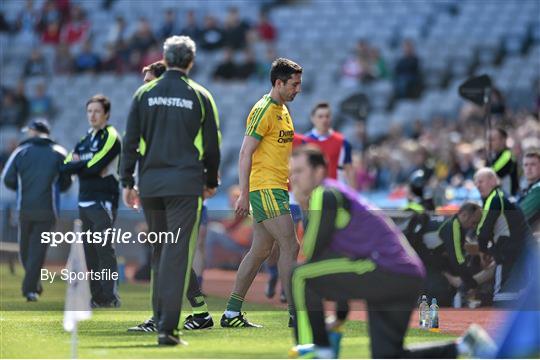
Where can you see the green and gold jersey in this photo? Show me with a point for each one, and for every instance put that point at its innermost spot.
(270, 123)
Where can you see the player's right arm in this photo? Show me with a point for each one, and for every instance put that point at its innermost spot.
(257, 127)
(249, 145)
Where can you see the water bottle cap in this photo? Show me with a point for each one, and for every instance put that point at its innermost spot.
(434, 301)
(424, 297)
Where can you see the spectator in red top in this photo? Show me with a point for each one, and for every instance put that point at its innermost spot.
(332, 143)
(265, 29)
(298, 140)
(76, 31)
(51, 34)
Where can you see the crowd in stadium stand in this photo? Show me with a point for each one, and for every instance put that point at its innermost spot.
(65, 26)
(452, 148)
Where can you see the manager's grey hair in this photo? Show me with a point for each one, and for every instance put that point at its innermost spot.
(488, 173)
(179, 51)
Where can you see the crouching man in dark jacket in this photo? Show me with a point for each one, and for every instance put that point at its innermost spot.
(354, 252)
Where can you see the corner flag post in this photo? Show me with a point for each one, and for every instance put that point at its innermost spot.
(77, 303)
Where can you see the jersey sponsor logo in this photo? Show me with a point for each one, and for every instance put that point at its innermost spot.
(285, 136)
(170, 101)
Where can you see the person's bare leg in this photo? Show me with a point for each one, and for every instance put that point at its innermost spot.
(282, 230)
(274, 256)
(272, 270)
(251, 263)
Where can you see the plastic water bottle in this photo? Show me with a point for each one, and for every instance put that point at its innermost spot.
(434, 316)
(423, 310)
(458, 300)
(334, 336)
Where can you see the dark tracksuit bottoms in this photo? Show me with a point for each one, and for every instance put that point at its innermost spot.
(330, 277)
(32, 251)
(97, 218)
(172, 273)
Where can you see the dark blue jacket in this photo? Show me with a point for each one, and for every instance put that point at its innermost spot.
(33, 170)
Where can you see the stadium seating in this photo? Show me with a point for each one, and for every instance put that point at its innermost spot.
(454, 39)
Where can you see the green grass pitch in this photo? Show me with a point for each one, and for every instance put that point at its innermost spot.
(34, 330)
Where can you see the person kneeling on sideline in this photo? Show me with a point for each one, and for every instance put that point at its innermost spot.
(356, 253)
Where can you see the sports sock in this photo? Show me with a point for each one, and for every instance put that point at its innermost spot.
(234, 304)
(231, 314)
(198, 306)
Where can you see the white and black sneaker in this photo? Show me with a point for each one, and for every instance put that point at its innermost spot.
(198, 322)
(147, 326)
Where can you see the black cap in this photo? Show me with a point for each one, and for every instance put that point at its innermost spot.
(40, 125)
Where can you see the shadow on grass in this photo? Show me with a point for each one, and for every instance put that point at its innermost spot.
(115, 333)
(132, 346)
